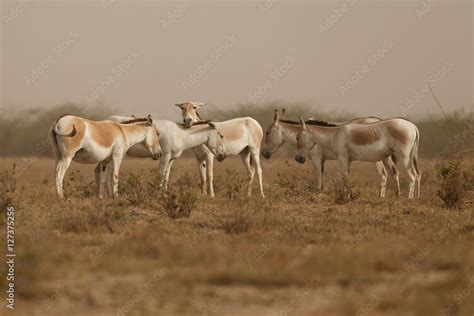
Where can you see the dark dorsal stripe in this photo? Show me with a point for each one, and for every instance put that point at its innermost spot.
(320, 123)
(310, 122)
(144, 119)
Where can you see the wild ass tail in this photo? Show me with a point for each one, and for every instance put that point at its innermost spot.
(53, 133)
(414, 152)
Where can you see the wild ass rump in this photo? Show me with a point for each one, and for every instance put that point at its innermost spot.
(89, 142)
(283, 131)
(366, 142)
(243, 137)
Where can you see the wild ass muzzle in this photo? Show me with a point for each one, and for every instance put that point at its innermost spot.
(243, 137)
(366, 142)
(282, 131)
(106, 142)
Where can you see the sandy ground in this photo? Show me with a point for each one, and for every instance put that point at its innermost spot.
(294, 253)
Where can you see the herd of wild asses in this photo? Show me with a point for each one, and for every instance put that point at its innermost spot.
(387, 143)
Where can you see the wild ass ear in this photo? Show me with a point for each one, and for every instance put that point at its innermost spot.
(302, 122)
(212, 125)
(283, 113)
(180, 105)
(149, 120)
(276, 117)
(133, 115)
(199, 104)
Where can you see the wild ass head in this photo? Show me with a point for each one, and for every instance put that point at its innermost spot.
(304, 142)
(189, 112)
(152, 139)
(273, 136)
(216, 143)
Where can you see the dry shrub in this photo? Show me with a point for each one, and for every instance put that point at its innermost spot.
(234, 185)
(76, 185)
(236, 221)
(452, 189)
(88, 218)
(180, 203)
(344, 191)
(7, 188)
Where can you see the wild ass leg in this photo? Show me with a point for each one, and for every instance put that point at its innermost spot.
(210, 173)
(167, 175)
(202, 171)
(411, 174)
(164, 161)
(383, 178)
(61, 168)
(97, 176)
(345, 166)
(255, 154)
(116, 162)
(318, 165)
(393, 171)
(418, 179)
(245, 155)
(102, 177)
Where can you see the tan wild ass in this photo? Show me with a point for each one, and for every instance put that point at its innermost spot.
(243, 136)
(88, 142)
(176, 138)
(283, 131)
(366, 142)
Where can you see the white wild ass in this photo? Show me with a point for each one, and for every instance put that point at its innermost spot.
(176, 138)
(283, 131)
(243, 136)
(366, 142)
(88, 142)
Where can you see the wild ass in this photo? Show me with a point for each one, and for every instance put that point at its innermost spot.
(283, 131)
(243, 136)
(176, 138)
(366, 142)
(88, 142)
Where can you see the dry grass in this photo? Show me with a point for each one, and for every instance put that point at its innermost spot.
(294, 253)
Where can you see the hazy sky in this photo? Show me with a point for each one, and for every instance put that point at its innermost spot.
(366, 57)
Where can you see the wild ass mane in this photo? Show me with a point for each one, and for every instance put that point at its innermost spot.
(135, 120)
(309, 122)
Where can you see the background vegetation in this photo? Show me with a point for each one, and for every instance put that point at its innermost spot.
(22, 131)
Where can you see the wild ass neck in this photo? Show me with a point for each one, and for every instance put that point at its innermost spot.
(196, 136)
(134, 133)
(289, 132)
(323, 136)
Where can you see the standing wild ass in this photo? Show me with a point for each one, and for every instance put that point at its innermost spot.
(87, 142)
(366, 142)
(243, 136)
(176, 138)
(283, 131)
